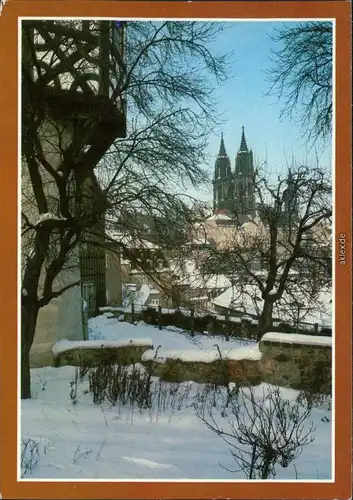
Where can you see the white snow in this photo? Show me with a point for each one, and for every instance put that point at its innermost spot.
(203, 356)
(294, 338)
(67, 345)
(110, 329)
(91, 442)
(24, 292)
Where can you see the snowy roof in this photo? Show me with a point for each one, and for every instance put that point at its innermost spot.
(218, 281)
(248, 299)
(140, 297)
(219, 217)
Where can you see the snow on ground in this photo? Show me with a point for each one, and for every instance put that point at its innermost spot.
(87, 441)
(105, 328)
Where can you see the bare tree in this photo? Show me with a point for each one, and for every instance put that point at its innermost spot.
(301, 74)
(79, 162)
(279, 260)
(264, 431)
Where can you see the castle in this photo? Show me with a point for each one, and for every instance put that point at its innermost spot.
(234, 192)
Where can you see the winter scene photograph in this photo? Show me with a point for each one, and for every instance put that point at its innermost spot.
(176, 286)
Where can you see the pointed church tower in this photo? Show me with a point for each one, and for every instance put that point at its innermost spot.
(244, 179)
(223, 187)
(290, 198)
(243, 146)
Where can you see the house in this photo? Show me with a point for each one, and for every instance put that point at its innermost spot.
(142, 296)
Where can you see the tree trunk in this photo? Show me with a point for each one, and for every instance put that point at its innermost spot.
(29, 314)
(25, 374)
(265, 323)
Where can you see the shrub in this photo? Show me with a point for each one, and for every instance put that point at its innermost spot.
(29, 456)
(120, 385)
(263, 432)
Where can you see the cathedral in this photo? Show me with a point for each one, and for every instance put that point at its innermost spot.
(234, 191)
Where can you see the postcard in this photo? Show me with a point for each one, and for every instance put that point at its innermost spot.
(176, 249)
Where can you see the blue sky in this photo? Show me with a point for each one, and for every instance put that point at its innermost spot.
(243, 102)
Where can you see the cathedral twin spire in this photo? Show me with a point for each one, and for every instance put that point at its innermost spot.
(222, 149)
(243, 145)
(232, 189)
(234, 192)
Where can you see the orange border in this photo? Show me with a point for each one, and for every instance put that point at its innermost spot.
(9, 487)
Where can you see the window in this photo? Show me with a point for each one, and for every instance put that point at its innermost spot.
(155, 302)
(89, 294)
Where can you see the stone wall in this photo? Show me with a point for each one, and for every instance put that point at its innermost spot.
(92, 357)
(301, 362)
(243, 372)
